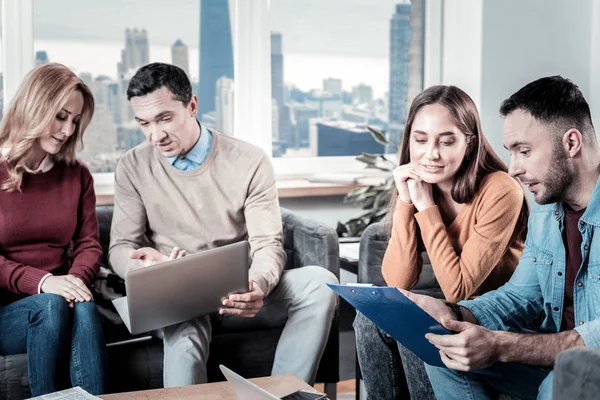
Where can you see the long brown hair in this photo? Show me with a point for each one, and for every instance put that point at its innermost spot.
(480, 158)
(41, 95)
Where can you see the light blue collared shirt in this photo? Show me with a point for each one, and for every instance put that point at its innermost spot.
(197, 154)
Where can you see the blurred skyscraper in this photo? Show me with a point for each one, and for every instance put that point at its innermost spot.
(341, 138)
(136, 53)
(400, 34)
(41, 57)
(224, 105)
(274, 120)
(333, 86)
(180, 56)
(216, 51)
(361, 94)
(277, 90)
(100, 140)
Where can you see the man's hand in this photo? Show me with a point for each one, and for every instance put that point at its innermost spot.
(149, 256)
(432, 306)
(421, 194)
(245, 304)
(472, 347)
(68, 286)
(402, 174)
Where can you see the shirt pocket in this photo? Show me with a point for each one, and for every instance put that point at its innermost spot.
(542, 260)
(593, 294)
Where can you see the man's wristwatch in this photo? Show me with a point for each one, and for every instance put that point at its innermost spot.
(456, 310)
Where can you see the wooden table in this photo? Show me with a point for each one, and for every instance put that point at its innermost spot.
(277, 385)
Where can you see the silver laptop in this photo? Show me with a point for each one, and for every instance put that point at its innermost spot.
(246, 390)
(179, 290)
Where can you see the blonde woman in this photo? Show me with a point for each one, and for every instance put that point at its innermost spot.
(49, 246)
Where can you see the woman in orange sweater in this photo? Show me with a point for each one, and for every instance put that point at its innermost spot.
(454, 200)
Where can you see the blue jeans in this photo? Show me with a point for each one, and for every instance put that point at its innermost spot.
(390, 371)
(44, 327)
(524, 381)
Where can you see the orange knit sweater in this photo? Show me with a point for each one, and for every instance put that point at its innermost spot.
(476, 253)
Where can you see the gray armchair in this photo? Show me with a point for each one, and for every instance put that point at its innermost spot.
(247, 349)
(373, 245)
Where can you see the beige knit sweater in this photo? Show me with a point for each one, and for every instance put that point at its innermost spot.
(231, 197)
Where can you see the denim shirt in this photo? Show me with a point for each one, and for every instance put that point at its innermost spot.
(535, 292)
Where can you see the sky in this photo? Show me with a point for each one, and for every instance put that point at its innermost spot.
(347, 39)
(342, 27)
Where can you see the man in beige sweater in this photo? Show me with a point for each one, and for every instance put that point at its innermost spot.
(189, 189)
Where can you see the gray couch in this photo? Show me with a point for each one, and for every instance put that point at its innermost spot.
(242, 346)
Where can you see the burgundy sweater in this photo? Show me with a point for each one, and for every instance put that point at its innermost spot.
(38, 225)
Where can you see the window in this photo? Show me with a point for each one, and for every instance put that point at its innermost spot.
(331, 68)
(105, 52)
(338, 66)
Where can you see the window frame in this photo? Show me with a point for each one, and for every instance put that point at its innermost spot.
(252, 71)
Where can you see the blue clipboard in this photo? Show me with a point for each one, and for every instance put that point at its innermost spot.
(398, 316)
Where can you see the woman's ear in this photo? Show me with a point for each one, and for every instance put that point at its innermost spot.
(472, 144)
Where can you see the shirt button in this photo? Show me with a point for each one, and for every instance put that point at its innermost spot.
(556, 213)
(586, 247)
(555, 308)
(581, 223)
(580, 284)
(560, 274)
(580, 322)
(534, 259)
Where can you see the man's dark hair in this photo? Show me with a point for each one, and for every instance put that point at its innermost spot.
(153, 76)
(553, 100)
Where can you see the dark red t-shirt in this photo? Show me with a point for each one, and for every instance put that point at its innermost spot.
(572, 239)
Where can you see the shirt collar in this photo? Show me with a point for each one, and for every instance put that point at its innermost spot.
(196, 153)
(45, 166)
(592, 211)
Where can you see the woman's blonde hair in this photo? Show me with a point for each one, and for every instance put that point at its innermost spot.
(40, 97)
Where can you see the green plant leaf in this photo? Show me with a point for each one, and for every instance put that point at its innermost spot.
(378, 135)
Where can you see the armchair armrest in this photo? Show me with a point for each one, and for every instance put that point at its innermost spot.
(373, 244)
(309, 242)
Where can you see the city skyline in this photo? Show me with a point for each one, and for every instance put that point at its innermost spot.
(327, 117)
(360, 28)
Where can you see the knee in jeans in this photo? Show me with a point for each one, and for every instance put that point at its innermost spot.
(364, 328)
(86, 313)
(362, 323)
(54, 310)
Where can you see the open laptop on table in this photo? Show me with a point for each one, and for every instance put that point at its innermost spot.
(246, 390)
(179, 290)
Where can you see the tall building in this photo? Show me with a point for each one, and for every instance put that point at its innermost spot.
(87, 78)
(224, 105)
(136, 53)
(129, 135)
(341, 138)
(274, 120)
(333, 86)
(361, 94)
(329, 106)
(100, 141)
(41, 57)
(277, 88)
(180, 56)
(303, 113)
(216, 51)
(400, 35)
